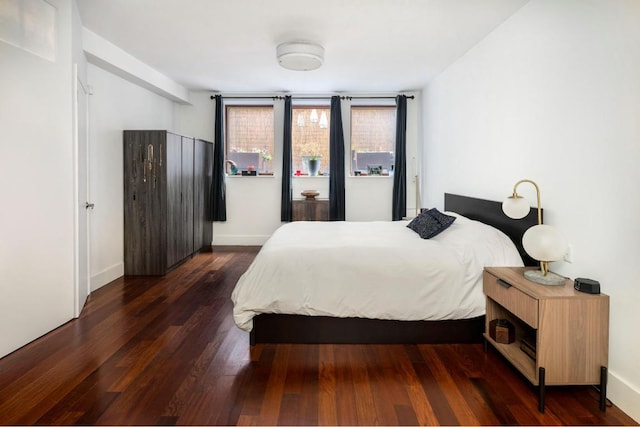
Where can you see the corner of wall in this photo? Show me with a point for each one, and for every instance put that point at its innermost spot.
(106, 276)
(110, 57)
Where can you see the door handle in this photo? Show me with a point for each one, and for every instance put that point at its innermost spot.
(88, 205)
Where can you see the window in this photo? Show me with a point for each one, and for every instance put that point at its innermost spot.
(373, 134)
(310, 138)
(249, 138)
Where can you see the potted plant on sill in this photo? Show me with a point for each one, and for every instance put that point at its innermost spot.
(314, 165)
(266, 160)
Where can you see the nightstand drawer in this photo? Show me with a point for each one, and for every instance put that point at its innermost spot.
(511, 298)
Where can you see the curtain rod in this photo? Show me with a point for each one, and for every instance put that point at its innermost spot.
(276, 97)
(374, 97)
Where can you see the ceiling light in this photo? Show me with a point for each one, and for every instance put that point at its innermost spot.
(300, 56)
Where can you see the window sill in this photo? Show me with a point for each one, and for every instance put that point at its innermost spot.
(251, 176)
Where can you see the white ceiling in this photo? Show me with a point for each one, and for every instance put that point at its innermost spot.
(230, 45)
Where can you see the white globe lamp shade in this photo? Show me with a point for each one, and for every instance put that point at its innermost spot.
(544, 243)
(515, 207)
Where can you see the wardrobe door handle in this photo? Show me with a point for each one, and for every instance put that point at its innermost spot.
(504, 284)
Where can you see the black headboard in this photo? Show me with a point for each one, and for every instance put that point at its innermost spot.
(490, 213)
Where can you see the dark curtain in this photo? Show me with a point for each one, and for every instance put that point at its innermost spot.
(336, 162)
(218, 196)
(400, 169)
(285, 209)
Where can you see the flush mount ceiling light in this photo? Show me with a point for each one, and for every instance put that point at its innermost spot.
(300, 56)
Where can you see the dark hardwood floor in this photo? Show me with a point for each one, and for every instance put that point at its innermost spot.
(165, 350)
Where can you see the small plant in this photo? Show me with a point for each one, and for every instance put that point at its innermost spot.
(314, 165)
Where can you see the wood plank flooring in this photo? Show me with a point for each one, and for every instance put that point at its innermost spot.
(165, 351)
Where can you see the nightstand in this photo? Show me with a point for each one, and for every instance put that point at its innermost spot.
(310, 210)
(561, 335)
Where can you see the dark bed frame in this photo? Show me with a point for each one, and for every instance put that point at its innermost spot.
(286, 328)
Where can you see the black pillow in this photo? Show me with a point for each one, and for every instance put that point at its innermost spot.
(431, 223)
(445, 220)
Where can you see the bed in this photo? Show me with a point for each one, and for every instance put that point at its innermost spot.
(377, 282)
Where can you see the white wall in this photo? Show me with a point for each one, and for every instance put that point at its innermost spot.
(36, 186)
(115, 105)
(554, 95)
(253, 204)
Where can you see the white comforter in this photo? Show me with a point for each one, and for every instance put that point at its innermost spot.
(380, 270)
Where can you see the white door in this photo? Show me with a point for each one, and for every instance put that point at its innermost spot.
(82, 200)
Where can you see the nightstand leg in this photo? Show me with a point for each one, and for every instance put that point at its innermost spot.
(541, 387)
(603, 388)
(486, 345)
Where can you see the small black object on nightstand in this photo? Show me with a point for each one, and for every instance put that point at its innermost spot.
(588, 286)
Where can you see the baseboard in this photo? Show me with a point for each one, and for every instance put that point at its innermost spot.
(624, 396)
(107, 275)
(240, 240)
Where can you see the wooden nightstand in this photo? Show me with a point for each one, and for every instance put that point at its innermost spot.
(310, 210)
(569, 330)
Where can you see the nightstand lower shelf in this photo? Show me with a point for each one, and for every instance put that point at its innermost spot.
(511, 352)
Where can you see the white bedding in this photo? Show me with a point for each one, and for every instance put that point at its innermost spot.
(380, 270)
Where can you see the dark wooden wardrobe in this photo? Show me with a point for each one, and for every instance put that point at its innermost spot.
(167, 194)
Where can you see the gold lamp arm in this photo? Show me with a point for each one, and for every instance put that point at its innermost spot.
(544, 265)
(515, 195)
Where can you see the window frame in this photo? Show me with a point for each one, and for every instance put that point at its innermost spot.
(361, 173)
(324, 163)
(248, 103)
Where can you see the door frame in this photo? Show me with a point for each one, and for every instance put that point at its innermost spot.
(81, 255)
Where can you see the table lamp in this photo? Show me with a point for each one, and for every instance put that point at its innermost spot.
(542, 242)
